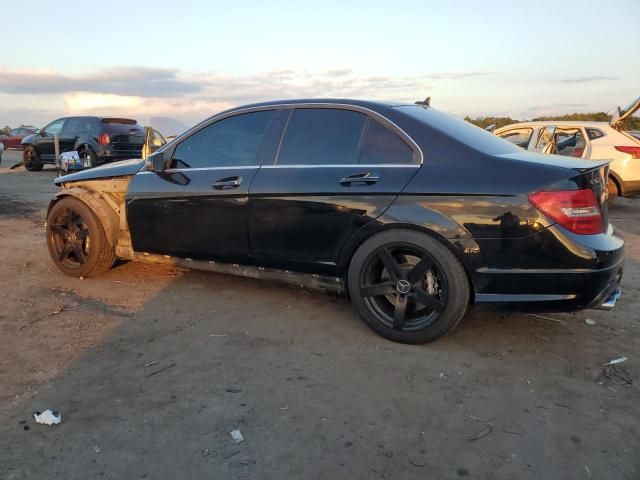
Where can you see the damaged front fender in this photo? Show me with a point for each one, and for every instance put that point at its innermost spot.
(106, 198)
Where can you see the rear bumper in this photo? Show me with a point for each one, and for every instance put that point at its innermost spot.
(631, 188)
(577, 271)
(556, 289)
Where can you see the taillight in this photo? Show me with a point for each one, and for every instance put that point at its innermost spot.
(634, 151)
(576, 210)
(104, 139)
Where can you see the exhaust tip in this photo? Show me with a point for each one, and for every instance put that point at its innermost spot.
(610, 302)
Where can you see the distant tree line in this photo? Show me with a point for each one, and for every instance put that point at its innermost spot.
(484, 122)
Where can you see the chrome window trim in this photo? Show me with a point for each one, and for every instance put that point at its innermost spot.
(199, 169)
(349, 165)
(282, 106)
(256, 167)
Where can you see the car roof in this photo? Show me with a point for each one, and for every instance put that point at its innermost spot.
(557, 122)
(371, 104)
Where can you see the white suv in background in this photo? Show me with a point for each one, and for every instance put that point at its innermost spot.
(592, 140)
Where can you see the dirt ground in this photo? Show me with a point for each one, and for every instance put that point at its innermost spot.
(152, 368)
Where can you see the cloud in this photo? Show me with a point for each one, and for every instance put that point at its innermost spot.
(557, 106)
(138, 81)
(592, 78)
(144, 92)
(456, 75)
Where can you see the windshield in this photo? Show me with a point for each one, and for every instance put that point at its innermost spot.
(465, 132)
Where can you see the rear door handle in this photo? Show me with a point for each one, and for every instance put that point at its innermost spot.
(367, 178)
(227, 183)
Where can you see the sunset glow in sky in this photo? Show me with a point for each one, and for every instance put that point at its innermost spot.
(190, 59)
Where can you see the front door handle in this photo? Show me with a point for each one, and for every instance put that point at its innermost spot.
(367, 178)
(227, 183)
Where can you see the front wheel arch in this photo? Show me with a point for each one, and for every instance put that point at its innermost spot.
(102, 210)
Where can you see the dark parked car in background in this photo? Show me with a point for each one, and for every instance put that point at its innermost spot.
(13, 139)
(97, 140)
(414, 213)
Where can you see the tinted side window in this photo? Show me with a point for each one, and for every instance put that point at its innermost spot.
(382, 145)
(72, 125)
(594, 133)
(233, 141)
(519, 137)
(54, 127)
(321, 136)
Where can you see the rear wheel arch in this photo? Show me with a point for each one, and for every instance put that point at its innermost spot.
(417, 309)
(368, 232)
(617, 181)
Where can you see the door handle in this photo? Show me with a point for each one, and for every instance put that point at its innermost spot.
(227, 183)
(367, 178)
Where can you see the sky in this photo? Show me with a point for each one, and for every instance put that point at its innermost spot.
(189, 59)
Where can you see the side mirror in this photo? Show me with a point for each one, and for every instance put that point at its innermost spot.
(42, 133)
(155, 163)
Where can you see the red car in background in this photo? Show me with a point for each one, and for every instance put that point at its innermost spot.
(14, 138)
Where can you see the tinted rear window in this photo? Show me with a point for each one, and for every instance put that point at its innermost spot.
(382, 146)
(319, 136)
(464, 132)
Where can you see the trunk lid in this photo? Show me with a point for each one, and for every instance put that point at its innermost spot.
(596, 179)
(621, 118)
(591, 174)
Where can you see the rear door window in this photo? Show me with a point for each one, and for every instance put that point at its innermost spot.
(232, 141)
(322, 136)
(383, 146)
(71, 126)
(518, 136)
(570, 142)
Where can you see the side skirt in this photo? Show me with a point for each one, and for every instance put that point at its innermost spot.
(307, 280)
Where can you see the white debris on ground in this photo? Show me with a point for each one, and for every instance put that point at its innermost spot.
(615, 361)
(237, 436)
(47, 417)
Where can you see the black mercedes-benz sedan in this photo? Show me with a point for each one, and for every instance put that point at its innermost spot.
(413, 213)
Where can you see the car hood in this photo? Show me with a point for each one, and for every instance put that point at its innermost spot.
(559, 161)
(115, 169)
(29, 138)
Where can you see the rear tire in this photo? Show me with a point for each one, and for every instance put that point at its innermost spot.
(77, 241)
(614, 192)
(408, 287)
(31, 159)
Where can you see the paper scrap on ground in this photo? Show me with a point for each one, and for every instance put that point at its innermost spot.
(237, 436)
(47, 417)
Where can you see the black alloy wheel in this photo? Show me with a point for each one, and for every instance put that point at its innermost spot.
(408, 286)
(76, 238)
(70, 238)
(404, 287)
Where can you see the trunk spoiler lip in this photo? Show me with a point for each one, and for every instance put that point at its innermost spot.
(622, 117)
(557, 161)
(598, 164)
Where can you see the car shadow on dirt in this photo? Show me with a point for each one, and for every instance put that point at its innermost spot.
(316, 394)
